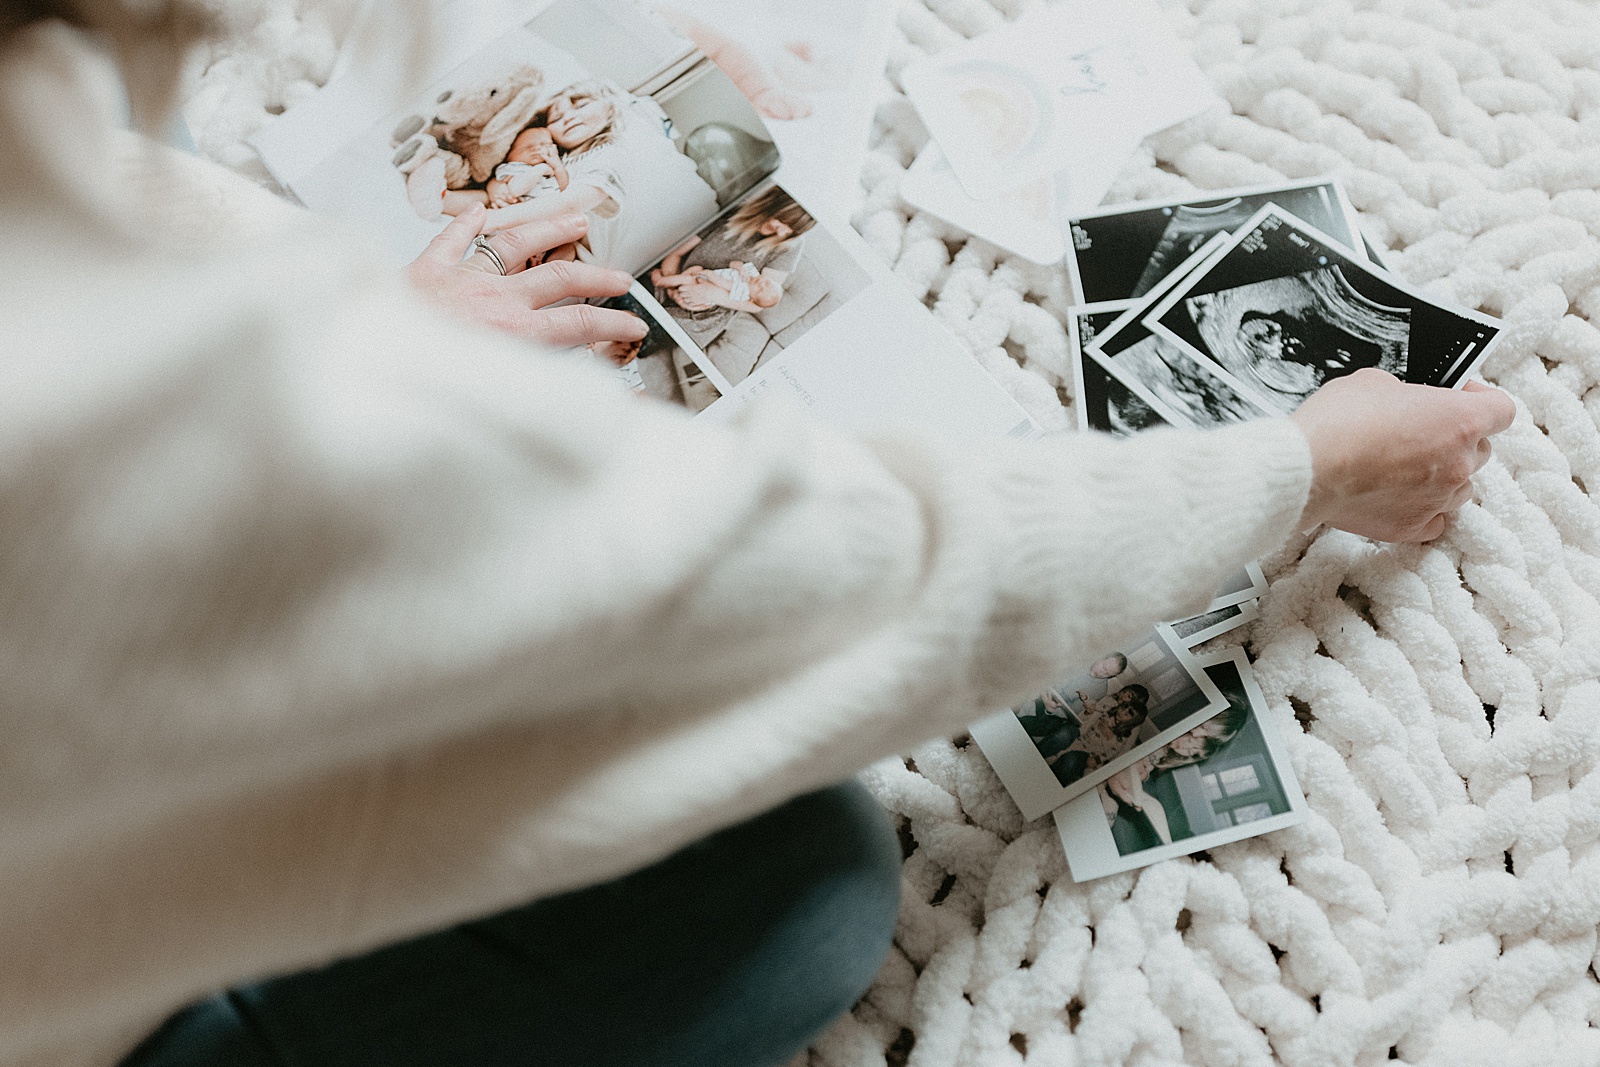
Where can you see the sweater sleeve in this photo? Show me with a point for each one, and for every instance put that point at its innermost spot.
(363, 621)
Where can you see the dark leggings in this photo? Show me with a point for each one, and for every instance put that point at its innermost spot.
(737, 950)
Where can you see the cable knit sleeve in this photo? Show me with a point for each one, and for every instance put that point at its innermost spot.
(354, 620)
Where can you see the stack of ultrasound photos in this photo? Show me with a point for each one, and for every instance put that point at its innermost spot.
(1204, 312)
(1199, 313)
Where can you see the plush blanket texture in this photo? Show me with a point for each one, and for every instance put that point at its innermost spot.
(1440, 905)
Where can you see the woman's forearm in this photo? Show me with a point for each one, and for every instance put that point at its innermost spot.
(576, 199)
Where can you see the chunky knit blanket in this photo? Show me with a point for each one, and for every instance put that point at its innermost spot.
(1440, 904)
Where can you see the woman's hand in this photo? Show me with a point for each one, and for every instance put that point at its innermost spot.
(520, 303)
(1390, 460)
(1123, 785)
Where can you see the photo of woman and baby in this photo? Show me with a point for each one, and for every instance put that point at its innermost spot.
(656, 366)
(1124, 699)
(1219, 775)
(1083, 733)
(754, 281)
(592, 107)
(528, 145)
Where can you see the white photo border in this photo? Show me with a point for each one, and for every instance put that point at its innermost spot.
(1079, 352)
(1248, 611)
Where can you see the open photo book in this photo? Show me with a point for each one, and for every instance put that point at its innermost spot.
(605, 107)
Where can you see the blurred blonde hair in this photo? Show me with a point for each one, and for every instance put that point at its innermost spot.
(578, 94)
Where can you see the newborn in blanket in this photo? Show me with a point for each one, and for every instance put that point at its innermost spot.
(739, 285)
(531, 168)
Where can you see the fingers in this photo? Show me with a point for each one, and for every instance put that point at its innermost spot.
(1494, 409)
(1485, 450)
(531, 240)
(1433, 529)
(450, 246)
(577, 324)
(550, 283)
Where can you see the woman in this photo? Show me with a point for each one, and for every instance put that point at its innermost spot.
(637, 190)
(1109, 726)
(764, 232)
(338, 679)
(581, 120)
(1138, 819)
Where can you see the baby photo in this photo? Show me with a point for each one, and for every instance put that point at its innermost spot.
(1086, 727)
(594, 107)
(806, 68)
(753, 282)
(1223, 780)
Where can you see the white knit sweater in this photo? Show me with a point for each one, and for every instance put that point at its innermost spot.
(325, 620)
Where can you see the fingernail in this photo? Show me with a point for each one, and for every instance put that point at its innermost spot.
(640, 331)
(577, 223)
(623, 278)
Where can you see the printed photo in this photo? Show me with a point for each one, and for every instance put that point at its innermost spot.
(594, 107)
(1086, 727)
(1289, 335)
(1284, 308)
(1125, 252)
(1222, 781)
(754, 281)
(1165, 375)
(1103, 403)
(657, 366)
(1202, 628)
(1249, 583)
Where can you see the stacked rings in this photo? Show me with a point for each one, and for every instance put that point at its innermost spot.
(481, 243)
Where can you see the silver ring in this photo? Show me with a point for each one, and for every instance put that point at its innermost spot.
(481, 243)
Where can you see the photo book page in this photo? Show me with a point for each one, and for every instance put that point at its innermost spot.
(604, 107)
(1226, 779)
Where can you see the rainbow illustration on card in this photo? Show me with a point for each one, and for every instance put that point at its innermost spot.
(1009, 110)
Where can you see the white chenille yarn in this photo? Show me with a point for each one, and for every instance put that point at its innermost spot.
(1441, 703)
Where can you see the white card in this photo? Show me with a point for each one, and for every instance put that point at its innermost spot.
(1025, 220)
(1022, 221)
(1027, 100)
